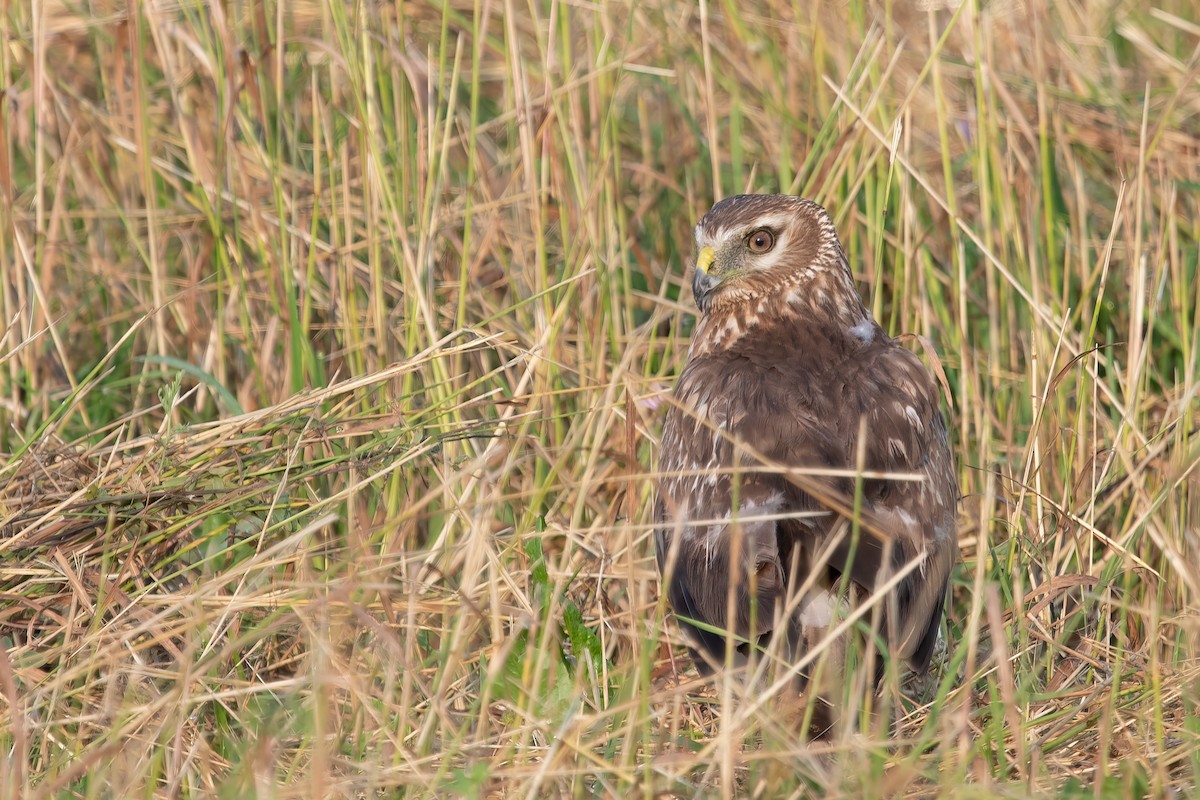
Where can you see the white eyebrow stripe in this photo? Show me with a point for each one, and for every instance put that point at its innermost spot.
(713, 239)
(778, 222)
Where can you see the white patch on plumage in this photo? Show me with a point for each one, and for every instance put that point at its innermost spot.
(816, 609)
(864, 331)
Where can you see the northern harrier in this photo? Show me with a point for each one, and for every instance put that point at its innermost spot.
(791, 386)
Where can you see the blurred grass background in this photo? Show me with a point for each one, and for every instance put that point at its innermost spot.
(335, 343)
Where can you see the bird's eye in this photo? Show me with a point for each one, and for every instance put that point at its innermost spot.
(761, 241)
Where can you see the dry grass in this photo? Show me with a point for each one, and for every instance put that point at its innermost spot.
(334, 348)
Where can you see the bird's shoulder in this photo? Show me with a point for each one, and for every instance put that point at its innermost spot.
(896, 394)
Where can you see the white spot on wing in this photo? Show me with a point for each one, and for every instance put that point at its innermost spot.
(864, 331)
(816, 610)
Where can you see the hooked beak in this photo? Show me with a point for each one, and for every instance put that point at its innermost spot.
(703, 281)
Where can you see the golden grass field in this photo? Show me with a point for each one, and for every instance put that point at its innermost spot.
(337, 339)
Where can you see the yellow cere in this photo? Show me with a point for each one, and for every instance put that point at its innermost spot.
(705, 259)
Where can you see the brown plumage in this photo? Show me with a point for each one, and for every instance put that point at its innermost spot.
(786, 368)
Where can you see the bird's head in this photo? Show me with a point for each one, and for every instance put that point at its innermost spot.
(751, 245)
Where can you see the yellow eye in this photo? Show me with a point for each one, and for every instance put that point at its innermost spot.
(761, 241)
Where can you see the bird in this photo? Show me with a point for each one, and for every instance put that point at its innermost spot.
(804, 460)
